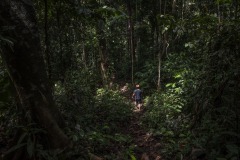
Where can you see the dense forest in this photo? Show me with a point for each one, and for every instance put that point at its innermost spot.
(68, 70)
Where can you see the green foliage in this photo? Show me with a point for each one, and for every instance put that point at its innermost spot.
(214, 136)
(224, 1)
(164, 113)
(198, 103)
(102, 125)
(166, 107)
(166, 22)
(29, 142)
(107, 11)
(165, 117)
(111, 109)
(146, 77)
(97, 123)
(112, 114)
(212, 98)
(8, 111)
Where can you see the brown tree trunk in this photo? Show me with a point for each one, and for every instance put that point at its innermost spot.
(174, 7)
(47, 51)
(131, 38)
(103, 53)
(25, 64)
(83, 56)
(60, 41)
(162, 48)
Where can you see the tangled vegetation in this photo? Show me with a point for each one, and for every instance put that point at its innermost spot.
(64, 65)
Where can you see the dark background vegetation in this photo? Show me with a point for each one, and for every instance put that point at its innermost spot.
(183, 53)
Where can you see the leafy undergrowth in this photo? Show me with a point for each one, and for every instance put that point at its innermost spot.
(100, 128)
(107, 127)
(104, 127)
(110, 128)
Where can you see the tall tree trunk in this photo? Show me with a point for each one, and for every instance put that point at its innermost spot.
(159, 70)
(162, 52)
(103, 53)
(158, 40)
(83, 56)
(25, 64)
(174, 7)
(162, 48)
(219, 17)
(60, 40)
(131, 39)
(183, 8)
(47, 51)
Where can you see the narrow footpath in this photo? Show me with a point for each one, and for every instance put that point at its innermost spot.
(147, 147)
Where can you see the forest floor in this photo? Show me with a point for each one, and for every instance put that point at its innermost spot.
(147, 147)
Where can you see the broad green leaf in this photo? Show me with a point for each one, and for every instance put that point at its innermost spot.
(133, 157)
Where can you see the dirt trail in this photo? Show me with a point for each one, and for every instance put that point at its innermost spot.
(147, 146)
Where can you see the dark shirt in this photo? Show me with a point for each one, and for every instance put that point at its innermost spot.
(137, 94)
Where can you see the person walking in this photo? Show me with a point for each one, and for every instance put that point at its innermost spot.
(137, 96)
